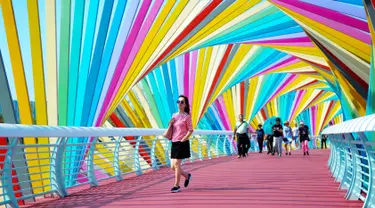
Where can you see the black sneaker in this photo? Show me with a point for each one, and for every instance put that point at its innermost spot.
(175, 189)
(304, 153)
(187, 181)
(290, 153)
(307, 153)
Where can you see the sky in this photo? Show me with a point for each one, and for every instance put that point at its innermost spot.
(21, 17)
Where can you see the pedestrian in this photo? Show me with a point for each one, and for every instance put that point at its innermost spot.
(181, 127)
(278, 136)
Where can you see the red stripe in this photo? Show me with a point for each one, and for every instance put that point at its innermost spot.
(16, 187)
(217, 75)
(242, 89)
(142, 151)
(263, 113)
(198, 19)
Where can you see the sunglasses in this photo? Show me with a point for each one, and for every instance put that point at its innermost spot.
(180, 102)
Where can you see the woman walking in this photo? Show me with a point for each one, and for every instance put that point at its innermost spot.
(260, 137)
(243, 142)
(287, 131)
(303, 134)
(182, 128)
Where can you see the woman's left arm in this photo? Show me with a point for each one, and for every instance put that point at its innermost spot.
(189, 125)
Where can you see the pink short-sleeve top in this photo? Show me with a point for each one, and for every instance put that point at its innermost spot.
(182, 124)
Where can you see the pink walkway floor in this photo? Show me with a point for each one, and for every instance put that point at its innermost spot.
(257, 181)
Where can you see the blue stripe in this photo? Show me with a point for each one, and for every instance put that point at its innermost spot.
(107, 54)
(86, 58)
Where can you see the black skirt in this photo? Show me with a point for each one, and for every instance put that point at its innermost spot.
(180, 150)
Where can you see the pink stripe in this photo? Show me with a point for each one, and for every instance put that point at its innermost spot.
(298, 100)
(139, 40)
(348, 26)
(124, 56)
(223, 113)
(285, 40)
(301, 44)
(186, 73)
(313, 117)
(285, 83)
(284, 63)
(193, 70)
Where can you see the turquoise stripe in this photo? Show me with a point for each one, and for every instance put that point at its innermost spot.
(86, 58)
(107, 54)
(157, 97)
(75, 58)
(173, 70)
(96, 61)
(168, 88)
(151, 102)
(163, 93)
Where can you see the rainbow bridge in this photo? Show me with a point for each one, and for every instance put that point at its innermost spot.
(87, 88)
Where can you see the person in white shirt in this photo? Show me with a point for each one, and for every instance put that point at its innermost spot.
(295, 137)
(240, 132)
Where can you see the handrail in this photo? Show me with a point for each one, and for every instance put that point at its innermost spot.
(71, 160)
(352, 158)
(361, 124)
(20, 130)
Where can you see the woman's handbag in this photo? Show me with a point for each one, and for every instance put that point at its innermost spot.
(168, 134)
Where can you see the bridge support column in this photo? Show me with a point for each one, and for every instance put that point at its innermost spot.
(57, 178)
(153, 156)
(90, 165)
(116, 161)
(370, 199)
(137, 163)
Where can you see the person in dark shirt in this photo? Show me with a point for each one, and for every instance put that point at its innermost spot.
(278, 136)
(260, 137)
(323, 143)
(303, 134)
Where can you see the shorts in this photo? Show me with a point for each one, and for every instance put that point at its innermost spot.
(180, 150)
(287, 140)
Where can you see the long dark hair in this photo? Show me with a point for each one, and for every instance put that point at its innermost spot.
(187, 105)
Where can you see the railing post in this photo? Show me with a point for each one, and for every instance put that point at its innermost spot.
(337, 157)
(7, 173)
(224, 147)
(116, 161)
(90, 165)
(370, 198)
(232, 149)
(153, 157)
(137, 163)
(217, 146)
(208, 147)
(200, 154)
(192, 158)
(354, 186)
(345, 175)
(57, 177)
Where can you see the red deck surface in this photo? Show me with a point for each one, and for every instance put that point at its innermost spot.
(258, 181)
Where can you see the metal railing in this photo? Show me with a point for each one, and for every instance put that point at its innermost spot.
(39, 160)
(352, 159)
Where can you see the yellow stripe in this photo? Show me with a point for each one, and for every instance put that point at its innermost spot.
(51, 63)
(230, 13)
(21, 88)
(132, 73)
(39, 89)
(139, 111)
(202, 80)
(200, 64)
(361, 49)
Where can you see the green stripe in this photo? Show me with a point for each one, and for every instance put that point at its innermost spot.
(64, 62)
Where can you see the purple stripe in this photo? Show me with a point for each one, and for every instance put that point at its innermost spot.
(186, 73)
(192, 74)
(124, 55)
(350, 27)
